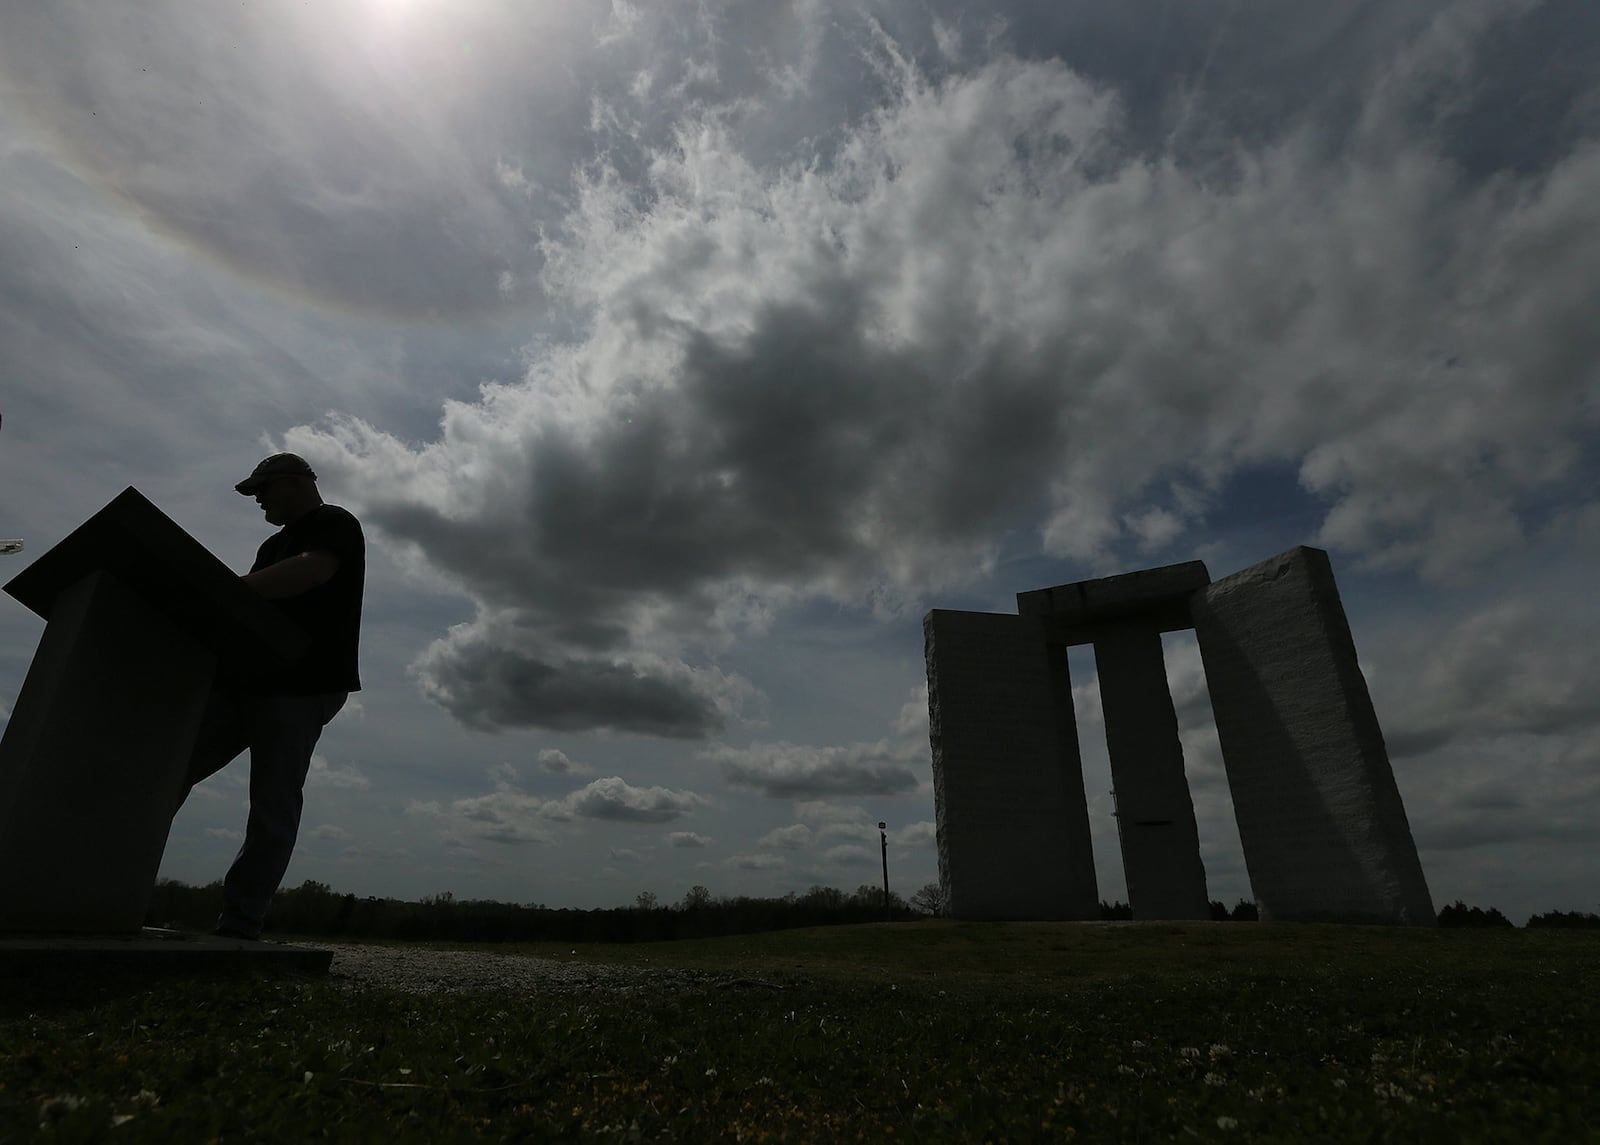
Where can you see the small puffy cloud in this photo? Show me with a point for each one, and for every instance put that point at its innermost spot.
(849, 855)
(506, 816)
(912, 722)
(755, 862)
(789, 838)
(345, 777)
(792, 771)
(613, 798)
(688, 839)
(556, 762)
(227, 833)
(923, 834)
(820, 811)
(864, 830)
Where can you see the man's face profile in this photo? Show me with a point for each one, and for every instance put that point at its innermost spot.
(273, 497)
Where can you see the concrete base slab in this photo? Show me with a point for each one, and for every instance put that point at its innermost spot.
(153, 949)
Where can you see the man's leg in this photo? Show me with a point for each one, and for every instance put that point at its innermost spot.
(282, 736)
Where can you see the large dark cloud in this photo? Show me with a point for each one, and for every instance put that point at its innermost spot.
(983, 306)
(491, 686)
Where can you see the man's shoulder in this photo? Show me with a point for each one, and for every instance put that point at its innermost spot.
(329, 522)
(336, 513)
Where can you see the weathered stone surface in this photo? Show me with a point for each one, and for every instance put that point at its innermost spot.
(150, 553)
(1076, 613)
(1155, 814)
(93, 761)
(1013, 824)
(1324, 831)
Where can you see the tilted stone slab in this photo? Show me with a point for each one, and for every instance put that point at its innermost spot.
(1322, 825)
(1013, 824)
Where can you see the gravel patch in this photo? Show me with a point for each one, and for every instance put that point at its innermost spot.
(424, 971)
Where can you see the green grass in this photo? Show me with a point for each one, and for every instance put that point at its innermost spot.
(922, 1032)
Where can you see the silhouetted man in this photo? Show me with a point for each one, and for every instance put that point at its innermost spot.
(314, 568)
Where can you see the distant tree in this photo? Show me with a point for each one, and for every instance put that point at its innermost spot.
(1581, 920)
(697, 898)
(646, 900)
(1459, 913)
(824, 898)
(1219, 911)
(1244, 911)
(930, 900)
(1119, 911)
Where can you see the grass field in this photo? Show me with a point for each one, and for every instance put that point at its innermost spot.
(916, 1032)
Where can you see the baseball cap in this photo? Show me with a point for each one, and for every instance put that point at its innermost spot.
(278, 465)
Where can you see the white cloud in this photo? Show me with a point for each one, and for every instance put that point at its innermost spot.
(556, 762)
(227, 833)
(849, 855)
(922, 834)
(790, 838)
(834, 344)
(821, 811)
(688, 839)
(347, 777)
(613, 798)
(792, 771)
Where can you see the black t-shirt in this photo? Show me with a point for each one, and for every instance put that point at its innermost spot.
(329, 613)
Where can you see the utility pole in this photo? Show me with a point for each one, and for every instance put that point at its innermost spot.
(7, 548)
(883, 839)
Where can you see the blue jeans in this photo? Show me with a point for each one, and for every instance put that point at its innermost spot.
(280, 733)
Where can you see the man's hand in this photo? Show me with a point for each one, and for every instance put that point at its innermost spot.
(293, 575)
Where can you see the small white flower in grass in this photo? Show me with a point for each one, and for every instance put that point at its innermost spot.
(307, 1079)
(1137, 1044)
(1215, 1079)
(1221, 1054)
(120, 1119)
(1122, 1069)
(1226, 1122)
(1340, 1083)
(1190, 1052)
(712, 1073)
(405, 1071)
(146, 1098)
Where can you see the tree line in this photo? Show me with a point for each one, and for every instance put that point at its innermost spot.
(315, 909)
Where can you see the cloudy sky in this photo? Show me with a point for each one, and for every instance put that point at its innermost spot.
(678, 356)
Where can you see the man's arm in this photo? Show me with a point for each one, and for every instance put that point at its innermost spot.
(293, 575)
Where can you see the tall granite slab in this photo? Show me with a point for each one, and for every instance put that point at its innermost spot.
(1013, 823)
(1155, 813)
(1323, 828)
(140, 616)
